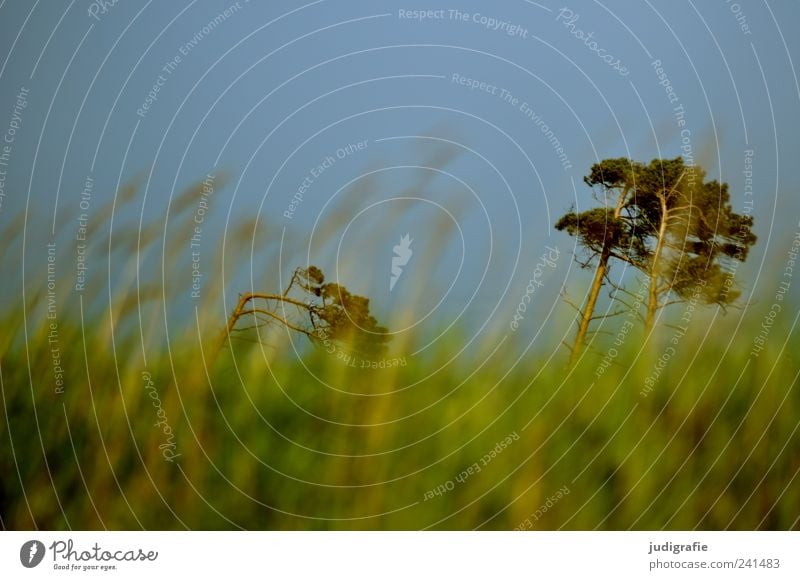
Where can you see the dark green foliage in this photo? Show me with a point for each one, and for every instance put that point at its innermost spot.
(611, 173)
(598, 228)
(595, 227)
(703, 234)
(340, 315)
(328, 314)
(675, 227)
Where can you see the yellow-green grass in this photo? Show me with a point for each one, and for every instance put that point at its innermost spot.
(270, 437)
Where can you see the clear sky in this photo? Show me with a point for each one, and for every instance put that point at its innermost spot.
(468, 126)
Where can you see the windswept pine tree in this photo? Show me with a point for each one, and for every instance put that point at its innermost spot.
(601, 232)
(326, 313)
(692, 232)
(668, 223)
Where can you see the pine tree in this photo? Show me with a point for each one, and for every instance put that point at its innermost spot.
(668, 223)
(327, 313)
(601, 232)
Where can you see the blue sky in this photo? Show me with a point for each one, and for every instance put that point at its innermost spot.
(266, 92)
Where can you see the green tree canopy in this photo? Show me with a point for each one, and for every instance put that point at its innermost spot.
(327, 313)
(666, 221)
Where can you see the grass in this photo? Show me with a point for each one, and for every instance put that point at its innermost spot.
(272, 439)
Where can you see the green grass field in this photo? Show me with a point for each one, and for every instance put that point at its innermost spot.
(263, 437)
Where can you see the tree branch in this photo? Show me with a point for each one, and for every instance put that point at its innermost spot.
(276, 317)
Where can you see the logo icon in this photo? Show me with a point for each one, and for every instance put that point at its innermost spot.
(402, 254)
(31, 553)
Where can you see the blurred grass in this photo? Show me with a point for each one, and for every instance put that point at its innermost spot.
(270, 440)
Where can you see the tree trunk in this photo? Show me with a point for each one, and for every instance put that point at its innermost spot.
(240, 311)
(588, 311)
(652, 294)
(232, 320)
(597, 285)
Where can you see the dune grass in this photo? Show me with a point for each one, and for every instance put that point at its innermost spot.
(273, 434)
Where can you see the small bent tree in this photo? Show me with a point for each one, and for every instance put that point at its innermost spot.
(326, 313)
(669, 224)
